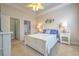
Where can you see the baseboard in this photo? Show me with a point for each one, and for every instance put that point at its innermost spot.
(75, 43)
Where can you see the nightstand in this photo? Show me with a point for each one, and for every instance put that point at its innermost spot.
(65, 38)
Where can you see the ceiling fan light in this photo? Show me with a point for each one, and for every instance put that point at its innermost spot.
(40, 6)
(35, 6)
(29, 5)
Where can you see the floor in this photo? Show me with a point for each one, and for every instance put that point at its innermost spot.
(19, 49)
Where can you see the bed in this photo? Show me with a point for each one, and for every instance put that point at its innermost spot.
(42, 42)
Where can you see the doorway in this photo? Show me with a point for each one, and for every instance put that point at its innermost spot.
(15, 28)
(27, 27)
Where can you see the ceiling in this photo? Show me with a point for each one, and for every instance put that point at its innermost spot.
(23, 6)
(45, 5)
(48, 6)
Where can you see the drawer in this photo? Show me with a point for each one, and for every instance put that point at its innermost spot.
(65, 39)
(0, 41)
(0, 52)
(65, 34)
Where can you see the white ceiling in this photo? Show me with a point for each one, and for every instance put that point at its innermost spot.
(23, 6)
(48, 6)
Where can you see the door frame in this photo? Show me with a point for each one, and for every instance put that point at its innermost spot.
(17, 36)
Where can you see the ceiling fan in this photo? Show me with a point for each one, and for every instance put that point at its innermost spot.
(35, 6)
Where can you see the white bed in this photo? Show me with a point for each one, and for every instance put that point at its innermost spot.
(41, 42)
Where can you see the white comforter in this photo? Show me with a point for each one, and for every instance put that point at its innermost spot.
(48, 41)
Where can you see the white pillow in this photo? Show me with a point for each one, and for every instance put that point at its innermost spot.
(47, 31)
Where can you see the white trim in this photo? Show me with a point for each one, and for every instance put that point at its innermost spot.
(54, 8)
(75, 43)
(29, 13)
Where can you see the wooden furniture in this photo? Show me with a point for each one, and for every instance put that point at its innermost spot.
(65, 38)
(5, 43)
(43, 43)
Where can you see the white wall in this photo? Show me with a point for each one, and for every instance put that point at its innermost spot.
(68, 13)
(8, 11)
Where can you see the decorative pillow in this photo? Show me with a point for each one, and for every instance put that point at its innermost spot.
(44, 31)
(47, 31)
(53, 31)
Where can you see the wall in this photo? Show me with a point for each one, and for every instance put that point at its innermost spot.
(0, 17)
(8, 11)
(67, 13)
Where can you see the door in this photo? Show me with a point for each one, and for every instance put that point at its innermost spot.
(15, 28)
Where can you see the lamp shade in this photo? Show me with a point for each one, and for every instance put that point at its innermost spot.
(39, 27)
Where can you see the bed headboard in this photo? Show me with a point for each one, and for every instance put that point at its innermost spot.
(51, 31)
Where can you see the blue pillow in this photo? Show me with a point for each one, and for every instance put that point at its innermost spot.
(54, 31)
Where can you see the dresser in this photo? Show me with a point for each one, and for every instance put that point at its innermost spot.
(5, 43)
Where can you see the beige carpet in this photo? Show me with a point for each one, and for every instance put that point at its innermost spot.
(19, 49)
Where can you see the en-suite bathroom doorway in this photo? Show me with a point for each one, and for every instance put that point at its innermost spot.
(15, 27)
(27, 27)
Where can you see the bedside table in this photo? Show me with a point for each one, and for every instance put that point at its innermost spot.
(65, 38)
